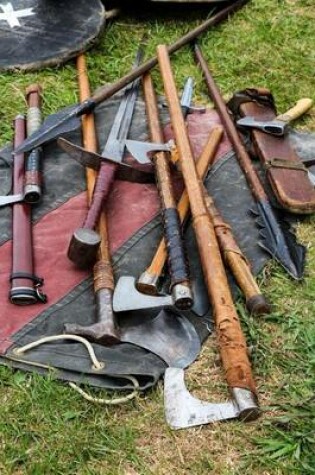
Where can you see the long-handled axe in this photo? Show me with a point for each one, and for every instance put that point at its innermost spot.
(231, 253)
(229, 333)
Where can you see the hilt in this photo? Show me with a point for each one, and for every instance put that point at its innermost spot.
(85, 241)
(33, 172)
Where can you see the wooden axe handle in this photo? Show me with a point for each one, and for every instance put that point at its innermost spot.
(102, 272)
(302, 106)
(177, 259)
(229, 333)
(154, 271)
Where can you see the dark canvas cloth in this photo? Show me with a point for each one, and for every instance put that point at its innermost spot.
(134, 231)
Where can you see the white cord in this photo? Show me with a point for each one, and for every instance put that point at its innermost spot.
(97, 365)
(114, 401)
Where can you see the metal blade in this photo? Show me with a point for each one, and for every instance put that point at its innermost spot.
(115, 144)
(183, 410)
(9, 199)
(62, 122)
(273, 127)
(93, 160)
(170, 336)
(140, 150)
(127, 297)
(186, 98)
(279, 241)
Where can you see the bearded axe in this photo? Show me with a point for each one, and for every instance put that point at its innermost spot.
(229, 333)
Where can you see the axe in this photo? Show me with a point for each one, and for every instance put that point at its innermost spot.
(229, 333)
(231, 253)
(280, 125)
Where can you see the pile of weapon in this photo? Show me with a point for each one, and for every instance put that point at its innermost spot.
(216, 244)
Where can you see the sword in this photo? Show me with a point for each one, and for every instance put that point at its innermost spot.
(85, 241)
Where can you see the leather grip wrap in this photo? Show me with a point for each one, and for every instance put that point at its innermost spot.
(177, 261)
(102, 187)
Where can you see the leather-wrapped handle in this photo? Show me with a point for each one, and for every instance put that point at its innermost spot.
(33, 162)
(229, 333)
(177, 260)
(102, 187)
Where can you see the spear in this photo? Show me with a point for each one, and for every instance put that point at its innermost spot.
(68, 119)
(280, 243)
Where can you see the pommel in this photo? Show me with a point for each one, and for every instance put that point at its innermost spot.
(258, 305)
(83, 247)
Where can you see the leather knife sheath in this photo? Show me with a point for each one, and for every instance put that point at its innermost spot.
(285, 170)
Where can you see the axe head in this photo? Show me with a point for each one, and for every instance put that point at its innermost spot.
(272, 127)
(182, 410)
(140, 150)
(127, 297)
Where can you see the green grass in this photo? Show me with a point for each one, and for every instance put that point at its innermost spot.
(45, 427)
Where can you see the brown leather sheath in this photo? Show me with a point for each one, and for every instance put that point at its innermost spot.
(285, 171)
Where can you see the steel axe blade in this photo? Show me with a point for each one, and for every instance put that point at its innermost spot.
(183, 410)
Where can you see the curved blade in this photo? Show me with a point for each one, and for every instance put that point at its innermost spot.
(170, 336)
(280, 242)
(184, 410)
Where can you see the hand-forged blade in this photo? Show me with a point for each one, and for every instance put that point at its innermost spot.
(93, 160)
(183, 410)
(127, 297)
(55, 125)
(139, 150)
(169, 335)
(272, 127)
(279, 241)
(115, 144)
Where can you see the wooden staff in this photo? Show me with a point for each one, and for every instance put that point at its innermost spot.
(177, 259)
(229, 333)
(105, 330)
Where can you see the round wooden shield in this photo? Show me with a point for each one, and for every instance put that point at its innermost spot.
(38, 33)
